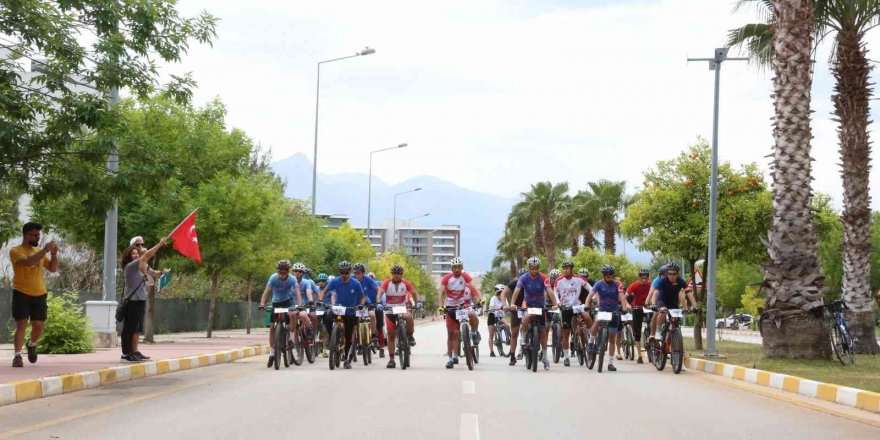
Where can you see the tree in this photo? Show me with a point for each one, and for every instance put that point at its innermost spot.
(670, 215)
(585, 218)
(608, 202)
(793, 283)
(344, 243)
(592, 259)
(50, 126)
(9, 224)
(542, 207)
(412, 271)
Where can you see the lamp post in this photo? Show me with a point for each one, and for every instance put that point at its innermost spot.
(394, 215)
(410, 220)
(365, 51)
(714, 64)
(370, 187)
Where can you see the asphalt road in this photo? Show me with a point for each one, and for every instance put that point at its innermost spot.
(244, 399)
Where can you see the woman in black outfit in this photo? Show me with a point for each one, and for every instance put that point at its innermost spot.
(134, 268)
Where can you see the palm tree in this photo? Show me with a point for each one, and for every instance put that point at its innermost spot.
(609, 201)
(584, 219)
(849, 20)
(793, 283)
(514, 247)
(542, 208)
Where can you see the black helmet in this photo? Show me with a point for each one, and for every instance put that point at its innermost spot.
(344, 265)
(358, 267)
(283, 264)
(397, 269)
(663, 268)
(607, 270)
(644, 271)
(567, 263)
(672, 266)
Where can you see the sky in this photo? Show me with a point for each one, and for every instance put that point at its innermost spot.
(495, 95)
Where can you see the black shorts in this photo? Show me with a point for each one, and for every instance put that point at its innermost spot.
(26, 306)
(638, 318)
(515, 320)
(539, 320)
(287, 304)
(135, 311)
(492, 318)
(380, 319)
(567, 317)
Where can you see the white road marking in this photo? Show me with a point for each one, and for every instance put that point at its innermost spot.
(468, 387)
(470, 427)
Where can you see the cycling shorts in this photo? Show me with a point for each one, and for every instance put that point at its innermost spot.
(285, 304)
(638, 318)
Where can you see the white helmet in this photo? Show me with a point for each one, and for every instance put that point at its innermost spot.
(299, 266)
(500, 288)
(555, 273)
(456, 262)
(534, 261)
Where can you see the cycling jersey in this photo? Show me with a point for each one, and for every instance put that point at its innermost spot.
(568, 290)
(347, 294)
(371, 290)
(304, 285)
(640, 292)
(668, 293)
(455, 288)
(534, 289)
(397, 293)
(609, 295)
(282, 290)
(655, 283)
(495, 303)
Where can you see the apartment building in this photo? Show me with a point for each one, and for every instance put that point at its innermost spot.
(433, 246)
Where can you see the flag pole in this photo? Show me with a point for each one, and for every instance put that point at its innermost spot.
(181, 222)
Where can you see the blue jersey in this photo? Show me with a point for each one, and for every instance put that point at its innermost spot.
(304, 285)
(282, 290)
(347, 294)
(371, 289)
(609, 295)
(656, 283)
(668, 292)
(534, 289)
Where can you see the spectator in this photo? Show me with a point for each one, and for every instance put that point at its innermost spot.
(134, 268)
(29, 288)
(152, 274)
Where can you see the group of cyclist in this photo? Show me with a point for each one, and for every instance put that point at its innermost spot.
(564, 291)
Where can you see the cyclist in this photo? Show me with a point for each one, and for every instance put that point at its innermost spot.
(495, 305)
(639, 291)
(611, 296)
(377, 320)
(585, 274)
(554, 274)
(655, 283)
(515, 315)
(535, 287)
(284, 290)
(568, 288)
(327, 326)
(307, 318)
(397, 291)
(453, 285)
(347, 292)
(668, 296)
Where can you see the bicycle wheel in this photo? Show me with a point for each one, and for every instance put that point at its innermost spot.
(840, 345)
(288, 354)
(297, 352)
(468, 348)
(535, 346)
(280, 343)
(501, 335)
(676, 352)
(591, 355)
(849, 344)
(659, 355)
(335, 340)
(602, 347)
(525, 347)
(557, 342)
(629, 344)
(312, 348)
(402, 343)
(581, 345)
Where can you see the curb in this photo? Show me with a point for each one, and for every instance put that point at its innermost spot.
(841, 395)
(24, 390)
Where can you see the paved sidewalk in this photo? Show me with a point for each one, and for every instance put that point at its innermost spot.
(166, 347)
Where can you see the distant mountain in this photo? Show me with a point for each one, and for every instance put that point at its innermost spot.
(481, 216)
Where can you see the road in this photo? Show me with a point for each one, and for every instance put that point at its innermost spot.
(244, 399)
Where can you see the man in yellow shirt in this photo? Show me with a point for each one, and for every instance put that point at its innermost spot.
(29, 288)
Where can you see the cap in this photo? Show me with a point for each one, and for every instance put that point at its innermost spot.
(135, 240)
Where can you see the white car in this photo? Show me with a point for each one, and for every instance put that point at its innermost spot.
(744, 320)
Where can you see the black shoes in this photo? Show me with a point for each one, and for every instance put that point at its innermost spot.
(17, 362)
(32, 353)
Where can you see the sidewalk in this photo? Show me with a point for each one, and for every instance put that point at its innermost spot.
(168, 346)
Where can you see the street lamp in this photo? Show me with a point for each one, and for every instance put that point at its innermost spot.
(409, 222)
(365, 51)
(394, 214)
(370, 187)
(714, 64)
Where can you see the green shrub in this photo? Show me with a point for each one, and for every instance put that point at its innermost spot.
(67, 329)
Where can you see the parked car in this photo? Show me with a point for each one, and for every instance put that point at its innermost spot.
(735, 320)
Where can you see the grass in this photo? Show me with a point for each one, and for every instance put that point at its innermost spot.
(865, 374)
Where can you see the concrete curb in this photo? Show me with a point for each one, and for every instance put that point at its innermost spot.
(841, 395)
(24, 390)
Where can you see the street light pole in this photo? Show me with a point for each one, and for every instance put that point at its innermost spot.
(370, 187)
(366, 51)
(711, 292)
(410, 220)
(394, 216)
(112, 219)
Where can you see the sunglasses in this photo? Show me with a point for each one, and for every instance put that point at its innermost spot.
(672, 274)
(344, 272)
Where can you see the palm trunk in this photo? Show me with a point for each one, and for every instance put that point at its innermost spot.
(215, 282)
(249, 287)
(793, 283)
(550, 243)
(851, 71)
(539, 237)
(609, 232)
(513, 268)
(589, 238)
(575, 247)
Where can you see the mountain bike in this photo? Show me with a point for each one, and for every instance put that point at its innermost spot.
(627, 342)
(842, 341)
(465, 339)
(319, 310)
(579, 333)
(648, 313)
(670, 342)
(363, 340)
(502, 333)
(282, 336)
(336, 344)
(397, 315)
(601, 346)
(531, 338)
(556, 334)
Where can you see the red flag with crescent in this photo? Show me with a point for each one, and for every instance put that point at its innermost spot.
(186, 240)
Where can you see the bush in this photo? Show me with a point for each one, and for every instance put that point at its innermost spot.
(67, 329)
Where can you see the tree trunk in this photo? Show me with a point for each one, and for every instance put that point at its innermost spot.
(539, 237)
(550, 243)
(575, 247)
(513, 267)
(793, 282)
(215, 281)
(589, 238)
(700, 296)
(851, 71)
(609, 232)
(149, 330)
(249, 286)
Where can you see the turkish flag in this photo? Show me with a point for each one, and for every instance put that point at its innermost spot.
(185, 239)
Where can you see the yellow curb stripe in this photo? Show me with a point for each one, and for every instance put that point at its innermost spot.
(27, 390)
(204, 360)
(138, 371)
(826, 392)
(763, 378)
(791, 384)
(719, 369)
(183, 364)
(71, 383)
(108, 375)
(868, 401)
(739, 373)
(163, 367)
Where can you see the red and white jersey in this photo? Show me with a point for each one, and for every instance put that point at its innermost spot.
(397, 293)
(569, 290)
(455, 288)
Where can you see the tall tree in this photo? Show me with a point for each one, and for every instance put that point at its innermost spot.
(584, 218)
(609, 201)
(542, 207)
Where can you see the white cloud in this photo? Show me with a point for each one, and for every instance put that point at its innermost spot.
(493, 95)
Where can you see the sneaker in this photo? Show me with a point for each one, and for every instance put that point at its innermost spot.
(567, 363)
(519, 357)
(640, 361)
(268, 365)
(412, 341)
(455, 360)
(32, 353)
(381, 352)
(449, 364)
(347, 365)
(546, 364)
(325, 353)
(130, 358)
(391, 364)
(17, 362)
(475, 336)
(512, 361)
(491, 354)
(611, 367)
(619, 357)
(141, 355)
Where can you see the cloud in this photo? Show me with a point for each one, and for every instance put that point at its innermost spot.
(494, 95)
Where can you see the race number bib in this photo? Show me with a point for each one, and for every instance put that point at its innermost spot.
(535, 311)
(398, 310)
(627, 318)
(280, 310)
(604, 316)
(577, 309)
(499, 314)
(362, 313)
(338, 310)
(675, 313)
(461, 314)
(319, 313)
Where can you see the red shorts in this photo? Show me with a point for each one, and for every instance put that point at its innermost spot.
(451, 322)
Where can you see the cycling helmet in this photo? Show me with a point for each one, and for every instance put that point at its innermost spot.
(663, 269)
(644, 271)
(567, 264)
(344, 265)
(322, 276)
(555, 273)
(583, 272)
(308, 273)
(456, 262)
(534, 261)
(500, 288)
(397, 269)
(522, 271)
(299, 266)
(607, 270)
(283, 264)
(358, 267)
(672, 266)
